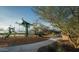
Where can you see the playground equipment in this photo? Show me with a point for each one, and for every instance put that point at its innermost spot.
(38, 29)
(11, 30)
(26, 25)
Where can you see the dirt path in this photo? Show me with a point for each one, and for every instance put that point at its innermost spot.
(28, 47)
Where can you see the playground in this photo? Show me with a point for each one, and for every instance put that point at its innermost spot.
(13, 38)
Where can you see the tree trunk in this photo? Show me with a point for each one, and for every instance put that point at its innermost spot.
(73, 40)
(65, 37)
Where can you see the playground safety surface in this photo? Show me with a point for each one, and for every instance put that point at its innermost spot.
(20, 40)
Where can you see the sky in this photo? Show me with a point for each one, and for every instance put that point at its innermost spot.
(9, 15)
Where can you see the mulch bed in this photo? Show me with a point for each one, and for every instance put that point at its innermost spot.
(19, 40)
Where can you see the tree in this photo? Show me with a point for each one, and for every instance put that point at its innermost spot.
(73, 27)
(55, 15)
(64, 19)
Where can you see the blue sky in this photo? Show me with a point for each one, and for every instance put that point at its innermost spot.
(9, 15)
(15, 13)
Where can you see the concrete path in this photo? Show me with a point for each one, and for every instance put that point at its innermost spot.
(28, 47)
